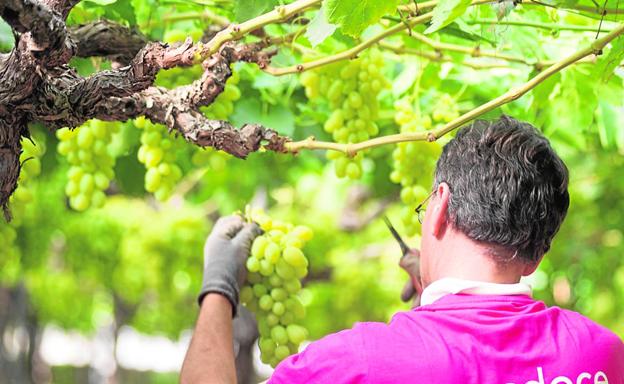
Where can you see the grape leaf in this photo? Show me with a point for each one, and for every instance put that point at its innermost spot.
(121, 10)
(572, 109)
(278, 117)
(539, 98)
(143, 10)
(460, 29)
(446, 12)
(353, 16)
(248, 9)
(606, 64)
(608, 124)
(405, 80)
(6, 37)
(319, 28)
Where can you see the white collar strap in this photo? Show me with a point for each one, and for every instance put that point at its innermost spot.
(450, 285)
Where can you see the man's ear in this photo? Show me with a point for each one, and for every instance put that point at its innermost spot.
(438, 209)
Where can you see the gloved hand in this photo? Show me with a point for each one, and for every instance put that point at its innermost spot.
(225, 253)
(413, 286)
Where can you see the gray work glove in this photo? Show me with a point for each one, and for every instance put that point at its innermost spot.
(225, 253)
(413, 286)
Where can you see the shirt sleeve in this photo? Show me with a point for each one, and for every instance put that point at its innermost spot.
(338, 359)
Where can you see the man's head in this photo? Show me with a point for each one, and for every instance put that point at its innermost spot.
(500, 187)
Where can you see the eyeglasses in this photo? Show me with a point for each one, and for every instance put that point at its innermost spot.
(420, 208)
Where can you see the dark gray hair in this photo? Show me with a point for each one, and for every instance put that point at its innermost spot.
(509, 188)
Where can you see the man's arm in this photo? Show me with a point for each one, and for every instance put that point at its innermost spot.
(210, 357)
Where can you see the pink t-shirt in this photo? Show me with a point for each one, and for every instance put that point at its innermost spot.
(467, 339)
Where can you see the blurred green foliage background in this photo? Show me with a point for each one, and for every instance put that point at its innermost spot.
(137, 261)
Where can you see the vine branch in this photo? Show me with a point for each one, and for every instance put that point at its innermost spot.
(437, 56)
(595, 10)
(237, 31)
(546, 26)
(104, 38)
(352, 52)
(472, 51)
(352, 148)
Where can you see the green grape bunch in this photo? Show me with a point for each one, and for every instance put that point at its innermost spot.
(32, 151)
(351, 90)
(91, 158)
(158, 157)
(413, 163)
(276, 266)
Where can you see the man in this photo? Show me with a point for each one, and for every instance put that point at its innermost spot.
(500, 196)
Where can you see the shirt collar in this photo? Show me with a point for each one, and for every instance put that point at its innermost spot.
(450, 285)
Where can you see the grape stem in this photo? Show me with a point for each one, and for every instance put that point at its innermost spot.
(582, 8)
(437, 56)
(546, 26)
(237, 31)
(439, 47)
(419, 7)
(351, 149)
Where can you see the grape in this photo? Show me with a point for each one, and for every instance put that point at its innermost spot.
(294, 257)
(351, 89)
(413, 163)
(296, 333)
(278, 333)
(275, 266)
(281, 352)
(90, 155)
(156, 153)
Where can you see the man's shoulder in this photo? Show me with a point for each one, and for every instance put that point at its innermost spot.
(579, 324)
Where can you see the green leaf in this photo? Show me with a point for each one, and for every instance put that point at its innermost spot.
(353, 16)
(460, 29)
(319, 28)
(276, 117)
(405, 80)
(122, 10)
(606, 64)
(608, 125)
(6, 37)
(572, 108)
(143, 10)
(446, 12)
(248, 9)
(540, 96)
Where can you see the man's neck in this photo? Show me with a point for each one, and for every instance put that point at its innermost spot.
(466, 259)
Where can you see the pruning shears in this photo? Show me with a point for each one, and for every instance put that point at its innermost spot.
(413, 287)
(405, 249)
